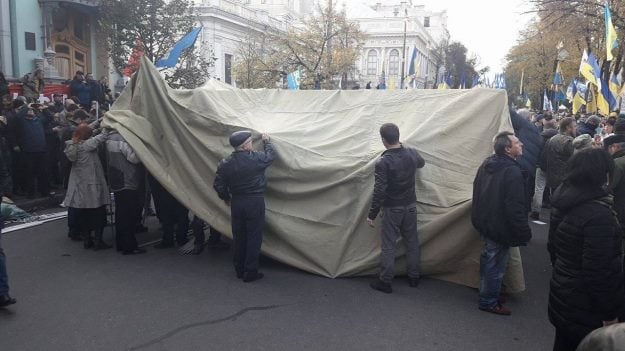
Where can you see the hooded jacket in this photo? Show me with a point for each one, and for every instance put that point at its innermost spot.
(557, 152)
(585, 245)
(499, 209)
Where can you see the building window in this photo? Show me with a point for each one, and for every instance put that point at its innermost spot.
(228, 68)
(393, 63)
(31, 43)
(372, 63)
(426, 22)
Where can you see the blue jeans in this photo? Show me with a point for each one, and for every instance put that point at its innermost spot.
(4, 279)
(493, 261)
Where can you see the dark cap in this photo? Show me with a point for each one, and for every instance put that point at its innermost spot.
(619, 126)
(613, 139)
(238, 138)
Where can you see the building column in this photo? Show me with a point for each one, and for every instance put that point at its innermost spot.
(49, 70)
(6, 62)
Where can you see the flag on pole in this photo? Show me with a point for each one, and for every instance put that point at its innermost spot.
(611, 40)
(174, 54)
(605, 100)
(557, 78)
(546, 102)
(589, 69)
(293, 80)
(413, 59)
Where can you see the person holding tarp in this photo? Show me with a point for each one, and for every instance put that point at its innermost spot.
(126, 175)
(395, 194)
(240, 181)
(499, 214)
(87, 191)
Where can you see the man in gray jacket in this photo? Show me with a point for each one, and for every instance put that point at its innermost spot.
(126, 178)
(557, 152)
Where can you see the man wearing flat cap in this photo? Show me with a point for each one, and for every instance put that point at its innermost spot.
(615, 145)
(240, 181)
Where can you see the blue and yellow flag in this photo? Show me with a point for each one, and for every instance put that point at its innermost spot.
(611, 40)
(557, 78)
(615, 89)
(589, 69)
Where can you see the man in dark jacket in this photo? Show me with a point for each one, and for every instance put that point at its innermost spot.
(549, 130)
(499, 214)
(530, 138)
(240, 181)
(589, 127)
(394, 191)
(558, 150)
(125, 176)
(32, 148)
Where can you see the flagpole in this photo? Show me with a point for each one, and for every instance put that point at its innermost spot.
(403, 53)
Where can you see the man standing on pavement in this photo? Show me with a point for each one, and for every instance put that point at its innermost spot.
(499, 214)
(557, 152)
(394, 191)
(240, 181)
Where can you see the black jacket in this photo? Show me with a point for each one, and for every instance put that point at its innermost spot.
(585, 244)
(395, 174)
(532, 142)
(243, 173)
(499, 209)
(546, 135)
(585, 128)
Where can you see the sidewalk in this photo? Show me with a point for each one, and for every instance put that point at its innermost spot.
(40, 203)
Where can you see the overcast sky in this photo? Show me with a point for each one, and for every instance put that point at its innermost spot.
(486, 27)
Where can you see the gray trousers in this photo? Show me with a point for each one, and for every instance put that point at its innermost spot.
(397, 221)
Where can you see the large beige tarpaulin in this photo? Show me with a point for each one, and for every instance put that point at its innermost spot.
(320, 186)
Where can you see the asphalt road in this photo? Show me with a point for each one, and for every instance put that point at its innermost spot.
(75, 299)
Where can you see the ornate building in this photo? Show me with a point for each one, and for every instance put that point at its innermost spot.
(58, 36)
(385, 51)
(228, 23)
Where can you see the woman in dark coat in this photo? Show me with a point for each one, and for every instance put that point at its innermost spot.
(585, 244)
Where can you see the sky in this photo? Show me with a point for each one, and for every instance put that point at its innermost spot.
(488, 28)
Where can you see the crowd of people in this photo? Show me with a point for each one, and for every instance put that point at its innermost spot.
(575, 166)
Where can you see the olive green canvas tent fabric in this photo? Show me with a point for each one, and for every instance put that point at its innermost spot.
(320, 186)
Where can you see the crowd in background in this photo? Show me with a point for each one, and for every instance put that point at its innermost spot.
(575, 166)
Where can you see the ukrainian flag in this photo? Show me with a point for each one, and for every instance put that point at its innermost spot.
(611, 40)
(615, 89)
(589, 69)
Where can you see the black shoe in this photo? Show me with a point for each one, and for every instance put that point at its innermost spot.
(6, 300)
(250, 277)
(134, 252)
(413, 282)
(141, 229)
(535, 215)
(163, 245)
(381, 286)
(182, 243)
(219, 245)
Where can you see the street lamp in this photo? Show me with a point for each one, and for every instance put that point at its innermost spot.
(403, 52)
